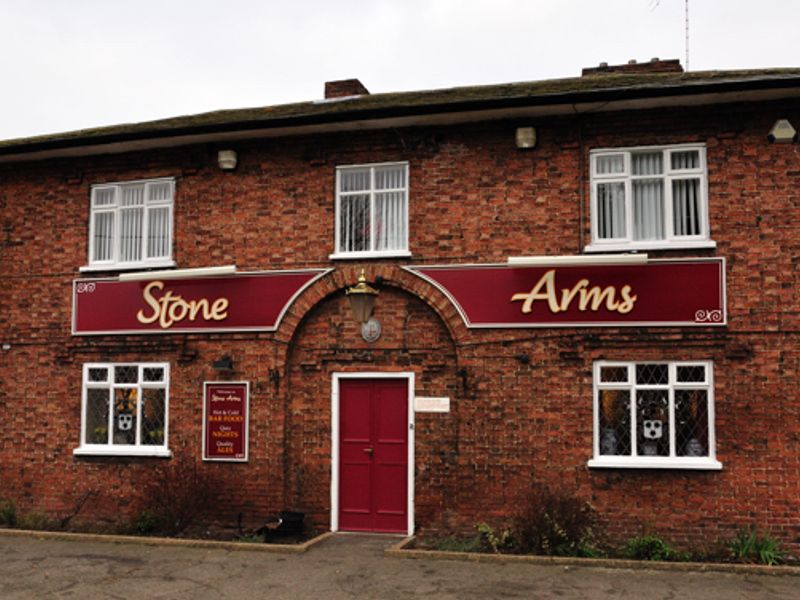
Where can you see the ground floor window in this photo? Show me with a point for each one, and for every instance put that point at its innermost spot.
(654, 415)
(124, 409)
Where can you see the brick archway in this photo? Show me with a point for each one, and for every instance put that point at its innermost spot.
(416, 338)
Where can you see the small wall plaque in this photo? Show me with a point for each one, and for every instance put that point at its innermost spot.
(429, 404)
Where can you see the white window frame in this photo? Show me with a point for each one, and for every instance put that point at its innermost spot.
(397, 253)
(670, 241)
(673, 461)
(137, 449)
(115, 263)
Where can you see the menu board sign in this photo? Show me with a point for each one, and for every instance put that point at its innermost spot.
(225, 420)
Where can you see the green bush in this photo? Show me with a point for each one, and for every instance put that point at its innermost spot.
(497, 541)
(748, 546)
(555, 522)
(34, 521)
(651, 547)
(147, 522)
(8, 512)
(459, 544)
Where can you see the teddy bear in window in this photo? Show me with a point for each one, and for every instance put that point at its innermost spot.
(652, 418)
(125, 411)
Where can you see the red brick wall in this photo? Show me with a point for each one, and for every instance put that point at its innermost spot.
(473, 198)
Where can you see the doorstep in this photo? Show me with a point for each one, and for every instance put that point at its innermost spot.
(399, 550)
(165, 541)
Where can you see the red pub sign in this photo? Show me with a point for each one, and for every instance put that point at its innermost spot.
(225, 421)
(246, 302)
(659, 293)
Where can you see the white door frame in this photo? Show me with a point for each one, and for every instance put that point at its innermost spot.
(337, 377)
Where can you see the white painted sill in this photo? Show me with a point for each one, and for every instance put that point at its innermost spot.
(361, 255)
(654, 462)
(135, 451)
(660, 245)
(128, 266)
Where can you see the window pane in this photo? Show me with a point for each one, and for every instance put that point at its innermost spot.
(614, 374)
(691, 373)
(686, 159)
(354, 180)
(652, 422)
(615, 422)
(159, 192)
(126, 374)
(158, 232)
(610, 164)
(647, 163)
(131, 234)
(686, 206)
(691, 423)
(97, 416)
(153, 374)
(125, 416)
(103, 236)
(153, 403)
(610, 210)
(652, 374)
(390, 221)
(104, 196)
(648, 209)
(133, 195)
(390, 178)
(355, 227)
(98, 374)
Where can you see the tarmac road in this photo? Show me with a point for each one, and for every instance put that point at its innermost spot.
(342, 567)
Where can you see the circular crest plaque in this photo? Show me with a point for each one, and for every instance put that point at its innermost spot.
(371, 330)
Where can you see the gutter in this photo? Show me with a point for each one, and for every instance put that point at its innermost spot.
(320, 119)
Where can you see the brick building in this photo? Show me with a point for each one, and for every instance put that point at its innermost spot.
(586, 282)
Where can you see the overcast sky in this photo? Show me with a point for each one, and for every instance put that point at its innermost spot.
(71, 64)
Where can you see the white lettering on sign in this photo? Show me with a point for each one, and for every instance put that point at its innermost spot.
(429, 404)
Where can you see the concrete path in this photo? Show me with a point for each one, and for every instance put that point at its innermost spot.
(342, 567)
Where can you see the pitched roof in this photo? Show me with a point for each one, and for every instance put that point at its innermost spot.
(597, 87)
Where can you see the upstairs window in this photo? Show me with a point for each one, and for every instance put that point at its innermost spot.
(649, 198)
(372, 211)
(131, 224)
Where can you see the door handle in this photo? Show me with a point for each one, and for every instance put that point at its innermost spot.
(369, 451)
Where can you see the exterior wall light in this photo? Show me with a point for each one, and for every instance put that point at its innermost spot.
(362, 299)
(526, 137)
(223, 364)
(227, 159)
(782, 132)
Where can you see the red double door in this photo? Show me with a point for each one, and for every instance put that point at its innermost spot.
(373, 455)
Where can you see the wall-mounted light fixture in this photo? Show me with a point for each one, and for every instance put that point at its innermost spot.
(227, 159)
(526, 137)
(362, 299)
(223, 364)
(782, 132)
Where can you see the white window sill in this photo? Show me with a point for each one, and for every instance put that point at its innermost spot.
(358, 255)
(655, 462)
(128, 266)
(101, 450)
(656, 245)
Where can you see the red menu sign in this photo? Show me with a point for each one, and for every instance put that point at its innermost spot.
(225, 420)
(245, 302)
(660, 293)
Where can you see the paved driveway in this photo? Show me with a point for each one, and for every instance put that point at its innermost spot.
(341, 567)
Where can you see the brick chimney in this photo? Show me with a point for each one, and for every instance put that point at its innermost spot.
(655, 65)
(345, 87)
